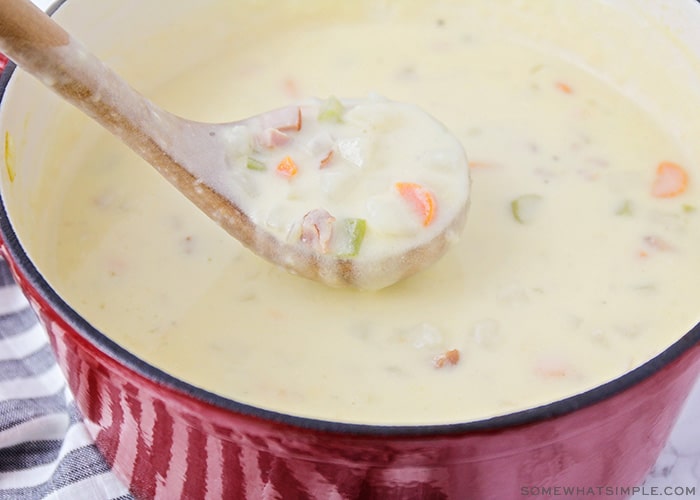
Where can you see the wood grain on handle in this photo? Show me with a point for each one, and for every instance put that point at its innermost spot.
(23, 23)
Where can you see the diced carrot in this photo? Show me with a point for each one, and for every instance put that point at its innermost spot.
(287, 167)
(564, 87)
(450, 357)
(291, 88)
(276, 314)
(552, 372)
(552, 368)
(422, 200)
(671, 180)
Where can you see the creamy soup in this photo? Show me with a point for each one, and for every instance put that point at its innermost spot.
(364, 181)
(578, 261)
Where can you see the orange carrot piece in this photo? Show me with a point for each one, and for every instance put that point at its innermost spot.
(564, 87)
(291, 88)
(553, 368)
(481, 164)
(671, 180)
(450, 357)
(287, 167)
(422, 200)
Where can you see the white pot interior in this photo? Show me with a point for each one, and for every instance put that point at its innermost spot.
(155, 41)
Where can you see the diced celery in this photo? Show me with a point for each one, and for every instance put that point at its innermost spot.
(625, 208)
(349, 236)
(255, 164)
(688, 208)
(10, 157)
(524, 208)
(331, 110)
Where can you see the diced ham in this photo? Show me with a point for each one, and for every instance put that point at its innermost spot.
(317, 229)
(327, 159)
(272, 138)
(288, 118)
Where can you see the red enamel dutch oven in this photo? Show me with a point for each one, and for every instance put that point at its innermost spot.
(167, 439)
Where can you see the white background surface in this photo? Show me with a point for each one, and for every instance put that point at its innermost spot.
(679, 464)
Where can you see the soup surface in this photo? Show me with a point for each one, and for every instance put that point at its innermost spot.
(577, 264)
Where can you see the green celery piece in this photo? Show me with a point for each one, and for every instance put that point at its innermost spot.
(524, 207)
(255, 164)
(625, 208)
(331, 110)
(688, 208)
(351, 234)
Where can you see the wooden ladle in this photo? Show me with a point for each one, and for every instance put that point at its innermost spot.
(192, 155)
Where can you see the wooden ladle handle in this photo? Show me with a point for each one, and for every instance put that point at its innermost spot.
(27, 27)
(37, 44)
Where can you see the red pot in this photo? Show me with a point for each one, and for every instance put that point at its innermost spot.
(168, 439)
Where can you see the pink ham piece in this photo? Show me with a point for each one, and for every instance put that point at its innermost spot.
(317, 229)
(288, 118)
(275, 123)
(272, 138)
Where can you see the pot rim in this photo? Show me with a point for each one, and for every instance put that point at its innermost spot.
(532, 415)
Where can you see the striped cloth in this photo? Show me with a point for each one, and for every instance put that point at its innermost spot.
(45, 450)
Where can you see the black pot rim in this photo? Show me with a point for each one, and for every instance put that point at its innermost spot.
(528, 416)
